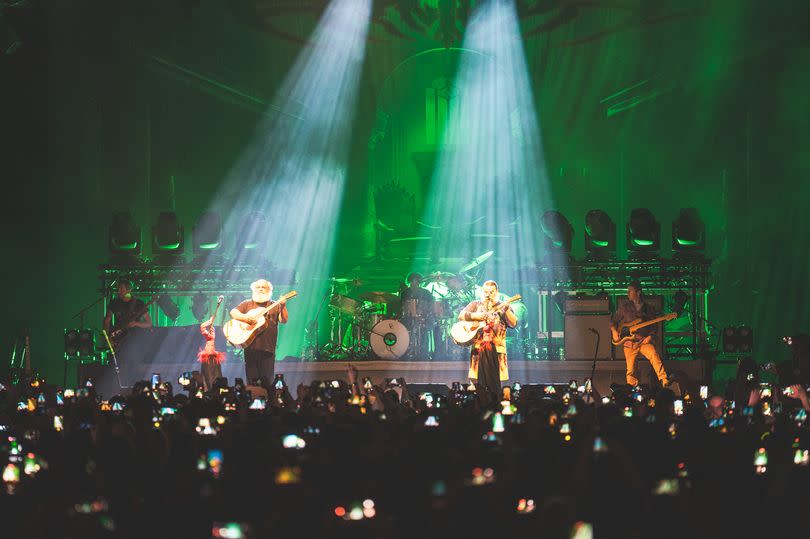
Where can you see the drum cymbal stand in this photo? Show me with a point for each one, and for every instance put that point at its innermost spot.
(312, 330)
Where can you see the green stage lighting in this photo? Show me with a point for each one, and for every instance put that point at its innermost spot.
(207, 234)
(600, 234)
(252, 230)
(688, 232)
(643, 232)
(123, 235)
(168, 235)
(558, 232)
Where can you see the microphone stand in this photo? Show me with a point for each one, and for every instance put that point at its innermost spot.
(593, 367)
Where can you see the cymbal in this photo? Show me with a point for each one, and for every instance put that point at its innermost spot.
(341, 280)
(438, 276)
(477, 261)
(379, 297)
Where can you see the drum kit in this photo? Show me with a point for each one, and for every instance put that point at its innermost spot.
(407, 325)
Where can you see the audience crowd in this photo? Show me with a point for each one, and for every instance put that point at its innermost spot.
(350, 458)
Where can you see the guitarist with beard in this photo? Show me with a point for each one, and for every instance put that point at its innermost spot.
(260, 354)
(124, 310)
(488, 354)
(637, 309)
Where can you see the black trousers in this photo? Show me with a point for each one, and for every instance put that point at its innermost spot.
(488, 373)
(211, 370)
(259, 365)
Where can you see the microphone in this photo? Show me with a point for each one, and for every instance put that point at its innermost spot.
(220, 298)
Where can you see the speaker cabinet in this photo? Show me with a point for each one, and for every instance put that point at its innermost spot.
(580, 342)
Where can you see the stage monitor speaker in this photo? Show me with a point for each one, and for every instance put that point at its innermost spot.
(580, 341)
(657, 303)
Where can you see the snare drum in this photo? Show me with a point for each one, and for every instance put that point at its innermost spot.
(389, 339)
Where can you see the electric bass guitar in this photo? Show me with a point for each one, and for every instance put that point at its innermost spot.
(627, 330)
(118, 334)
(464, 333)
(241, 334)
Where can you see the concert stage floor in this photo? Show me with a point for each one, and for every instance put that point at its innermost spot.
(446, 372)
(414, 372)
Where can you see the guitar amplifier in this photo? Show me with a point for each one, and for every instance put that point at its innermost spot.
(587, 304)
(580, 341)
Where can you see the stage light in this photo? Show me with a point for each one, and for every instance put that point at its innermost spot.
(169, 308)
(199, 306)
(207, 233)
(123, 235)
(643, 232)
(738, 339)
(253, 230)
(600, 234)
(87, 342)
(746, 338)
(558, 232)
(688, 232)
(71, 343)
(168, 235)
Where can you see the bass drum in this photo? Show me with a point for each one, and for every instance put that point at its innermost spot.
(389, 339)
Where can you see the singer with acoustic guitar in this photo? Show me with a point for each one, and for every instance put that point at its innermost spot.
(632, 327)
(260, 348)
(488, 353)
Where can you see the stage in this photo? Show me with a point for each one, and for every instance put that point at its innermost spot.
(689, 372)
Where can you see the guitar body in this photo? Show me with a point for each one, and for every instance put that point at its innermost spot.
(624, 332)
(118, 334)
(240, 333)
(627, 330)
(465, 333)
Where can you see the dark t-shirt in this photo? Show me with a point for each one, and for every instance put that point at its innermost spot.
(424, 300)
(267, 338)
(125, 311)
(627, 312)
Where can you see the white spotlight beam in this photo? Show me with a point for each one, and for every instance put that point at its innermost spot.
(294, 171)
(491, 170)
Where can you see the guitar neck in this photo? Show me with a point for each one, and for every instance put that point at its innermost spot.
(650, 322)
(504, 305)
(270, 308)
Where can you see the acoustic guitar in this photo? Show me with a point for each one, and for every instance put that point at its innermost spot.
(464, 333)
(627, 330)
(241, 334)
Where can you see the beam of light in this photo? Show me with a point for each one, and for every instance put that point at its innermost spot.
(294, 171)
(490, 185)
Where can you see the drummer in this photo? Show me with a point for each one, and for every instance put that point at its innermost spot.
(423, 303)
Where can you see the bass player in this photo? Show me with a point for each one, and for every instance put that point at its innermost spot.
(644, 339)
(488, 352)
(125, 311)
(260, 354)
